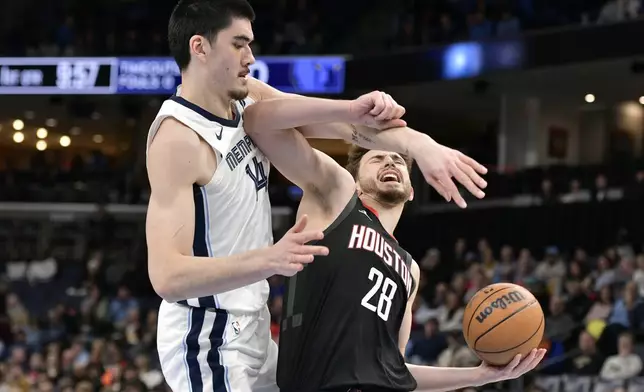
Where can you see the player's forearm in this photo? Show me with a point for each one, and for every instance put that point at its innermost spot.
(293, 112)
(181, 277)
(402, 140)
(439, 379)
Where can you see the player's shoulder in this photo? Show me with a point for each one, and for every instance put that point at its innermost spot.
(175, 138)
(258, 91)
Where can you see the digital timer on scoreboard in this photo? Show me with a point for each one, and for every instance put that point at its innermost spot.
(111, 75)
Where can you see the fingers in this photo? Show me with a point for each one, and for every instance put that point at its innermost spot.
(300, 259)
(473, 169)
(439, 188)
(396, 123)
(386, 108)
(291, 269)
(312, 250)
(473, 164)
(299, 225)
(378, 104)
(514, 363)
(528, 363)
(463, 174)
(446, 180)
(307, 236)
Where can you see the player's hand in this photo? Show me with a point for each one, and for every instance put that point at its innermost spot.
(290, 254)
(515, 369)
(377, 110)
(439, 164)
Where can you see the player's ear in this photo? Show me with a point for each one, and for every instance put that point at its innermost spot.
(411, 195)
(199, 46)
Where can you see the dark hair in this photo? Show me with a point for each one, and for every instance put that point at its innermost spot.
(355, 156)
(202, 17)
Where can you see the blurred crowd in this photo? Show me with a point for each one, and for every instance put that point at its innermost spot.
(137, 27)
(89, 324)
(51, 176)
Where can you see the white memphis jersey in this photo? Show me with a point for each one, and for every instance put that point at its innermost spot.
(232, 211)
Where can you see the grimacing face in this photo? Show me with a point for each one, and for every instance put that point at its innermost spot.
(384, 176)
(228, 57)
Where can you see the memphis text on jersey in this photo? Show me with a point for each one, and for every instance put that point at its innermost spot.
(238, 153)
(366, 238)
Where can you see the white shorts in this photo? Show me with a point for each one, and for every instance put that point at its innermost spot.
(208, 350)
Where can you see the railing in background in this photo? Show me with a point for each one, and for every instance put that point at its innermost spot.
(83, 211)
(571, 383)
(592, 225)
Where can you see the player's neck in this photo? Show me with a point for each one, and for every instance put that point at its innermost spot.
(207, 98)
(387, 215)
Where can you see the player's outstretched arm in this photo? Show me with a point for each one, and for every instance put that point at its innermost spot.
(361, 124)
(327, 186)
(439, 379)
(173, 167)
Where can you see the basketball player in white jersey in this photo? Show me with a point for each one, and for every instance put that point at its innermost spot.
(209, 228)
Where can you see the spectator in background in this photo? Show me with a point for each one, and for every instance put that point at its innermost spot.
(450, 316)
(552, 269)
(457, 353)
(122, 305)
(638, 275)
(603, 307)
(626, 364)
(547, 194)
(426, 348)
(621, 314)
(605, 275)
(577, 302)
(618, 11)
(587, 361)
(504, 269)
(433, 272)
(480, 27)
(508, 26)
(559, 325)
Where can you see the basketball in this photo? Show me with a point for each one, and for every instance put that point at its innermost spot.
(501, 321)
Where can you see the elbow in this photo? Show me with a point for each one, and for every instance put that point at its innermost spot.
(165, 283)
(251, 120)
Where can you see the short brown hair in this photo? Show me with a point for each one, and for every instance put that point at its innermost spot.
(355, 156)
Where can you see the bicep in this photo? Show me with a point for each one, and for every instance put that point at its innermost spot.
(173, 161)
(310, 169)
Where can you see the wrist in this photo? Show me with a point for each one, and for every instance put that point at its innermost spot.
(417, 144)
(480, 376)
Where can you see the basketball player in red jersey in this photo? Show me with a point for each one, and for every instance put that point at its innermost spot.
(348, 315)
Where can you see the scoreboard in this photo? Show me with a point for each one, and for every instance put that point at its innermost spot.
(140, 75)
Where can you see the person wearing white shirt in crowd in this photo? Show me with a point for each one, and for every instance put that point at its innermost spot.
(626, 364)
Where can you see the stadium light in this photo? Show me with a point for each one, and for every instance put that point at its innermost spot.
(18, 137)
(98, 138)
(65, 141)
(589, 98)
(42, 133)
(41, 145)
(18, 125)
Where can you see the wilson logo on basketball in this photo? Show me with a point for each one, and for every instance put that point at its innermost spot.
(500, 303)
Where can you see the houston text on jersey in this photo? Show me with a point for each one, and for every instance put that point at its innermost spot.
(366, 238)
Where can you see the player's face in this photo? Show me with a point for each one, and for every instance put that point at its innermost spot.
(230, 58)
(385, 176)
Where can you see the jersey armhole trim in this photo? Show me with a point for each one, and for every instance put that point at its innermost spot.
(343, 215)
(410, 260)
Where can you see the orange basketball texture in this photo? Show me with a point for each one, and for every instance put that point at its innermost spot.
(501, 321)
